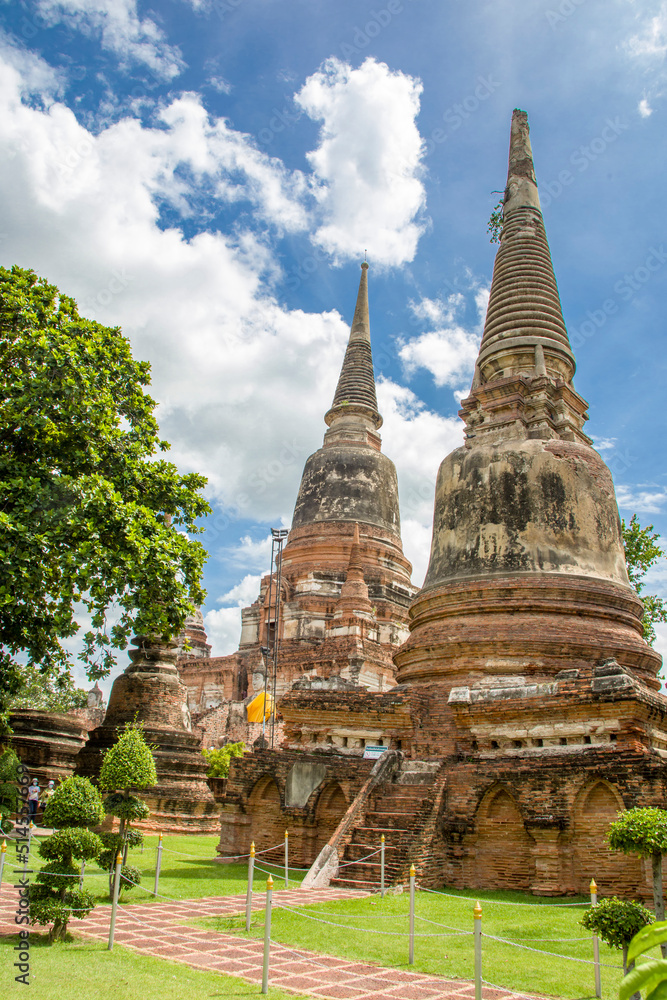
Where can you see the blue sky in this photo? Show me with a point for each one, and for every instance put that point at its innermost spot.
(209, 173)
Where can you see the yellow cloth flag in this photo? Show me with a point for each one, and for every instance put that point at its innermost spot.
(260, 707)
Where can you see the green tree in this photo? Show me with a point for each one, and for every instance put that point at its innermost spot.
(219, 760)
(9, 796)
(46, 694)
(91, 519)
(643, 831)
(616, 921)
(128, 764)
(641, 552)
(55, 897)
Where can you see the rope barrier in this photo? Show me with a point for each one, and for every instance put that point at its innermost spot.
(360, 860)
(495, 902)
(230, 857)
(542, 951)
(365, 930)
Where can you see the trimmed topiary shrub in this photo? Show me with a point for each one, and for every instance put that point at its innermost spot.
(128, 764)
(616, 921)
(55, 897)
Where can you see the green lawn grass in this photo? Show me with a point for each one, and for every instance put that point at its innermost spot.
(188, 871)
(503, 965)
(85, 970)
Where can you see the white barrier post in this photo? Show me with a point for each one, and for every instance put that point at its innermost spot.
(114, 905)
(3, 851)
(287, 859)
(267, 935)
(411, 950)
(477, 916)
(382, 867)
(83, 872)
(248, 895)
(596, 943)
(30, 829)
(158, 864)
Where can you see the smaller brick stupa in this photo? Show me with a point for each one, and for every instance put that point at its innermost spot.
(150, 691)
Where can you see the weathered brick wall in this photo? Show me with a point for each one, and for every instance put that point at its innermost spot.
(255, 803)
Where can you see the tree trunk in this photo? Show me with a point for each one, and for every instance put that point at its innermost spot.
(658, 898)
(628, 968)
(58, 931)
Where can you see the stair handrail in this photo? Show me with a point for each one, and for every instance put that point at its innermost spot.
(325, 865)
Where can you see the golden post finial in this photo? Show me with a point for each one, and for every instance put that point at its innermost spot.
(413, 871)
(286, 834)
(252, 849)
(269, 883)
(160, 837)
(382, 839)
(4, 847)
(477, 911)
(119, 858)
(593, 886)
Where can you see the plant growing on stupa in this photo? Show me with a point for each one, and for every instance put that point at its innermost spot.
(55, 897)
(219, 760)
(128, 764)
(643, 831)
(495, 226)
(641, 552)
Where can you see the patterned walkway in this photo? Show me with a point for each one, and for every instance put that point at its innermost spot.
(159, 930)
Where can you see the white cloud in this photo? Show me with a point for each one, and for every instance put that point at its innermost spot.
(223, 626)
(368, 162)
(651, 41)
(640, 499)
(120, 29)
(450, 350)
(248, 554)
(605, 444)
(644, 108)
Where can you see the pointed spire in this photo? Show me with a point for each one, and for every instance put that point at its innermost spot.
(523, 376)
(354, 592)
(355, 392)
(524, 332)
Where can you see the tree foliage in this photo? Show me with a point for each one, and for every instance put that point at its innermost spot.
(641, 831)
(641, 552)
(616, 921)
(219, 760)
(74, 803)
(9, 796)
(651, 975)
(129, 763)
(495, 226)
(45, 693)
(55, 896)
(91, 519)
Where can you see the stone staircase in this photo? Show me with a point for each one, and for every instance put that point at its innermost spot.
(399, 808)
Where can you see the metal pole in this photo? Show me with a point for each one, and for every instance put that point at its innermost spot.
(83, 872)
(248, 895)
(477, 915)
(267, 935)
(287, 859)
(596, 944)
(279, 534)
(30, 829)
(411, 952)
(158, 864)
(269, 608)
(3, 851)
(382, 867)
(114, 905)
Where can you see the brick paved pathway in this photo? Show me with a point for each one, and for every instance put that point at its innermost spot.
(158, 929)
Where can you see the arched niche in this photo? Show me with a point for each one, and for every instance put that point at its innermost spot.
(329, 811)
(596, 806)
(267, 823)
(502, 849)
